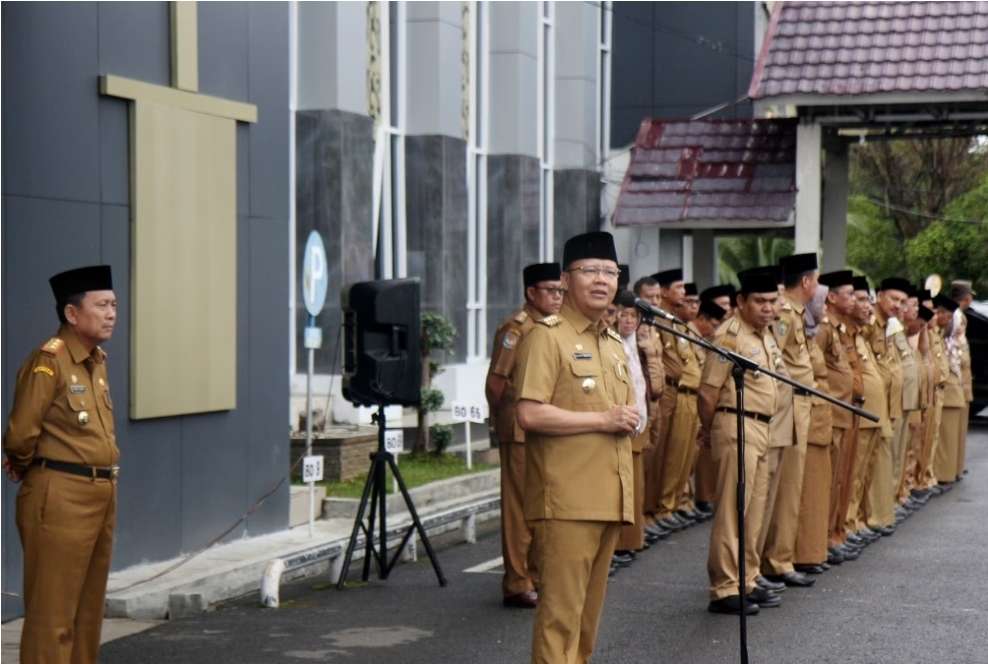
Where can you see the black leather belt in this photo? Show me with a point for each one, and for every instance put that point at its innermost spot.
(755, 416)
(93, 472)
(685, 390)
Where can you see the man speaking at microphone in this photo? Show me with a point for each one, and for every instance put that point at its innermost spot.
(577, 407)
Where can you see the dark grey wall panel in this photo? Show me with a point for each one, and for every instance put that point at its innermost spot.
(134, 40)
(223, 50)
(576, 200)
(51, 142)
(267, 379)
(674, 59)
(268, 89)
(334, 155)
(65, 204)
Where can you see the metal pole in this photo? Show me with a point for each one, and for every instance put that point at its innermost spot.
(469, 447)
(308, 434)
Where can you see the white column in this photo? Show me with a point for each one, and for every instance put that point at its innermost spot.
(808, 179)
(835, 179)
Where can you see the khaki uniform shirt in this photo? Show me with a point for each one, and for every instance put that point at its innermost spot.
(62, 408)
(886, 351)
(679, 358)
(953, 391)
(875, 394)
(791, 337)
(909, 361)
(762, 394)
(650, 344)
(575, 364)
(938, 352)
(509, 334)
(843, 381)
(821, 415)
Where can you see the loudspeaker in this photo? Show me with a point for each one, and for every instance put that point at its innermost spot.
(382, 362)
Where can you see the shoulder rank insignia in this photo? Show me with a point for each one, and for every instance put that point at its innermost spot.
(825, 320)
(733, 327)
(614, 335)
(43, 369)
(53, 345)
(551, 320)
(521, 316)
(510, 339)
(786, 306)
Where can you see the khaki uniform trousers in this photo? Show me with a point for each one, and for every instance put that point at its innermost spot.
(760, 465)
(516, 535)
(901, 436)
(879, 501)
(926, 476)
(946, 459)
(962, 447)
(842, 467)
(679, 447)
(66, 526)
(854, 519)
(914, 447)
(813, 526)
(633, 535)
(705, 476)
(574, 558)
(654, 459)
(779, 552)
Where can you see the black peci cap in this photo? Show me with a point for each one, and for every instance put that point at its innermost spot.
(944, 302)
(837, 279)
(667, 277)
(81, 280)
(711, 310)
(537, 272)
(718, 291)
(798, 264)
(625, 277)
(896, 283)
(624, 298)
(925, 313)
(691, 289)
(597, 244)
(763, 279)
(861, 283)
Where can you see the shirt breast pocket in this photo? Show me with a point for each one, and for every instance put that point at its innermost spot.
(586, 387)
(79, 406)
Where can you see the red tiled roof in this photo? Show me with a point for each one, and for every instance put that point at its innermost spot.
(710, 171)
(857, 48)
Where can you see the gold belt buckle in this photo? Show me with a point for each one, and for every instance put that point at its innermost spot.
(114, 472)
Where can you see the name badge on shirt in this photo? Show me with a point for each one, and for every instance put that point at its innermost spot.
(582, 356)
(77, 389)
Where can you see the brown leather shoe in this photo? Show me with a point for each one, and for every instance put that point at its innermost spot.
(526, 600)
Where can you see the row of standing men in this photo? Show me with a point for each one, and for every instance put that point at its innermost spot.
(823, 482)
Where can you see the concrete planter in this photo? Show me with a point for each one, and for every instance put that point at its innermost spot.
(346, 451)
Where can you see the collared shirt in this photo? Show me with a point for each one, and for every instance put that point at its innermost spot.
(909, 361)
(572, 363)
(843, 378)
(821, 415)
(503, 356)
(875, 395)
(882, 334)
(62, 408)
(679, 358)
(791, 337)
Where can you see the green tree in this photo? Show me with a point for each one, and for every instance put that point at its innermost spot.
(436, 336)
(741, 252)
(956, 246)
(874, 246)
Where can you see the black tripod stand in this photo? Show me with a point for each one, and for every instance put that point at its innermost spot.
(742, 364)
(375, 488)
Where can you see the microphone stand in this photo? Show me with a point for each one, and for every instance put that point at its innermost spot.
(742, 364)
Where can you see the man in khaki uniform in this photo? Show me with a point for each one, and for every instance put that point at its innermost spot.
(926, 477)
(577, 407)
(688, 311)
(800, 278)
(945, 459)
(60, 445)
(911, 494)
(886, 337)
(835, 340)
(543, 297)
(748, 333)
(722, 296)
(872, 456)
(679, 417)
(709, 318)
(907, 344)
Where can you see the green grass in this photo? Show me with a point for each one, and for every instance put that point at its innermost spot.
(416, 470)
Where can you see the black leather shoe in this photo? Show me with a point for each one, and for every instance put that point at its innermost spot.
(622, 560)
(732, 606)
(834, 556)
(670, 524)
(886, 531)
(611, 572)
(526, 600)
(946, 486)
(793, 579)
(658, 531)
(849, 553)
(767, 584)
(868, 534)
(855, 541)
(921, 495)
(809, 569)
(705, 508)
(825, 566)
(650, 540)
(912, 504)
(680, 516)
(937, 490)
(765, 599)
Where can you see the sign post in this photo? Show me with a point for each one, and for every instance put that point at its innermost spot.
(468, 413)
(314, 284)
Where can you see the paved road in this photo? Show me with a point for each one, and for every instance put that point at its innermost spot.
(919, 596)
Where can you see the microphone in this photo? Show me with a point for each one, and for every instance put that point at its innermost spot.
(652, 310)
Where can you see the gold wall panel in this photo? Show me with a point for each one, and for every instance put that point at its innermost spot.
(183, 262)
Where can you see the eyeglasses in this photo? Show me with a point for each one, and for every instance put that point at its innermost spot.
(556, 291)
(594, 272)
